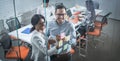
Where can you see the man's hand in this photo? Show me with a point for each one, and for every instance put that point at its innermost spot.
(58, 37)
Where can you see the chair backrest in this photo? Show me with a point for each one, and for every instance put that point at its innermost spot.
(105, 18)
(58, 4)
(5, 40)
(13, 24)
(96, 4)
(1, 25)
(91, 9)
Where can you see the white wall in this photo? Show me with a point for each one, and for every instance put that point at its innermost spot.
(6, 6)
(7, 10)
(111, 6)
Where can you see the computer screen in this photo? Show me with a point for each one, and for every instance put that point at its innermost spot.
(69, 13)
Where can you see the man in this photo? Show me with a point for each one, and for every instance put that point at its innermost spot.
(46, 10)
(61, 28)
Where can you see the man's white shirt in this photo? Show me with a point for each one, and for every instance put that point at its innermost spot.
(46, 12)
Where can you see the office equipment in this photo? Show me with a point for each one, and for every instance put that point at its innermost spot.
(13, 24)
(99, 23)
(91, 9)
(96, 4)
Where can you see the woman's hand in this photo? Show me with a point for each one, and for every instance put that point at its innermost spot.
(51, 41)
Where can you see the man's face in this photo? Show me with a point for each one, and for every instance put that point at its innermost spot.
(60, 14)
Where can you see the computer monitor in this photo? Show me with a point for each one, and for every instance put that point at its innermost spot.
(69, 13)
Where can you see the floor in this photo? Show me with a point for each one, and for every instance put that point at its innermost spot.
(107, 51)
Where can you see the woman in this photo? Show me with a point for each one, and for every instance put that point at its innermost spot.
(39, 40)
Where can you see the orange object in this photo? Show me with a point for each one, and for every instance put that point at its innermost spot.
(72, 51)
(13, 52)
(96, 32)
(75, 20)
(22, 54)
(77, 13)
(99, 24)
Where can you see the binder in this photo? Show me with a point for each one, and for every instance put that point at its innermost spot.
(26, 31)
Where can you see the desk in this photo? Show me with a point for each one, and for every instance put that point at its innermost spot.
(83, 9)
(20, 35)
(79, 10)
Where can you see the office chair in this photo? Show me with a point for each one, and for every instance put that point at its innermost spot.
(95, 33)
(96, 4)
(101, 21)
(13, 24)
(2, 28)
(13, 52)
(90, 8)
(1, 25)
(56, 4)
(82, 40)
(98, 28)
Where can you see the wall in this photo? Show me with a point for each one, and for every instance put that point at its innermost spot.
(7, 9)
(111, 6)
(6, 6)
(105, 5)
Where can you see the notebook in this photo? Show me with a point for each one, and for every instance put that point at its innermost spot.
(26, 31)
(63, 45)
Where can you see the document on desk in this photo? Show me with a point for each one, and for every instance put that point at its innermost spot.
(26, 31)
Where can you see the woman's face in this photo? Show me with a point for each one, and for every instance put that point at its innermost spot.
(41, 25)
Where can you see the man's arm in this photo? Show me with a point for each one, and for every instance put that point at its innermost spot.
(72, 35)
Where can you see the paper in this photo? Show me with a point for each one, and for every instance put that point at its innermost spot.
(62, 35)
(64, 44)
(67, 38)
(65, 47)
(60, 43)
